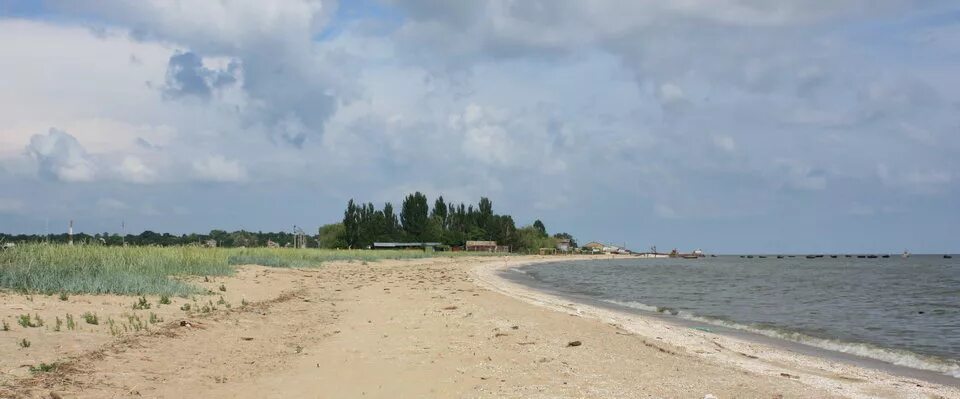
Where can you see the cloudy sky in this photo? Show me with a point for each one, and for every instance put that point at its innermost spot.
(731, 125)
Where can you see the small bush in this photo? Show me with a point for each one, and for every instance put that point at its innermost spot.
(25, 321)
(223, 287)
(43, 367)
(6, 327)
(71, 324)
(59, 324)
(24, 343)
(63, 296)
(185, 307)
(91, 318)
(154, 319)
(164, 299)
(141, 304)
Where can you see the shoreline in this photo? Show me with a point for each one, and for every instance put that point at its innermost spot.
(857, 354)
(432, 327)
(837, 372)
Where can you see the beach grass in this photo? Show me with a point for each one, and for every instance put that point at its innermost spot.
(52, 269)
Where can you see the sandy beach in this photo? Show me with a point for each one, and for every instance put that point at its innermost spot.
(440, 327)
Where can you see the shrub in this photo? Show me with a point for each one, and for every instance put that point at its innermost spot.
(91, 318)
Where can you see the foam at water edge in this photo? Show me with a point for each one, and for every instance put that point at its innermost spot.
(894, 356)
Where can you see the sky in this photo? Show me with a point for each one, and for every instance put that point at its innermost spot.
(727, 125)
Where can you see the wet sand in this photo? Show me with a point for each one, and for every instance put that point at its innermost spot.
(444, 327)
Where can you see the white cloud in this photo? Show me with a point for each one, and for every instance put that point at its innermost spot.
(670, 95)
(219, 169)
(60, 156)
(502, 98)
(133, 170)
(484, 137)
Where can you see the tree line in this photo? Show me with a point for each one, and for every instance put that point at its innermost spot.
(449, 224)
(240, 238)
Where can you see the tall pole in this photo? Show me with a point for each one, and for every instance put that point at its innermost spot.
(70, 234)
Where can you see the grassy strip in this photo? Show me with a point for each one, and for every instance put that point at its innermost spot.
(101, 270)
(62, 269)
(315, 257)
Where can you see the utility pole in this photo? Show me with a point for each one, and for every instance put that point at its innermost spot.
(70, 234)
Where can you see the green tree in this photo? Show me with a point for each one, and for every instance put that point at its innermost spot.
(391, 225)
(530, 239)
(439, 212)
(332, 236)
(484, 217)
(541, 228)
(351, 225)
(413, 216)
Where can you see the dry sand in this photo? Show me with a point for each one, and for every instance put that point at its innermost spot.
(422, 328)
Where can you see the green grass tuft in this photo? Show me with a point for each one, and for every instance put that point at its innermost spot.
(81, 269)
(43, 367)
(91, 318)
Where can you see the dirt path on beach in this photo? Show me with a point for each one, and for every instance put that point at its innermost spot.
(392, 329)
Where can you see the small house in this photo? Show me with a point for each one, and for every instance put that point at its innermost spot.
(481, 246)
(594, 247)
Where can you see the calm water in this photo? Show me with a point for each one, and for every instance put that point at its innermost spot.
(903, 311)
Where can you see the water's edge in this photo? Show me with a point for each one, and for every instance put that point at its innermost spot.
(901, 363)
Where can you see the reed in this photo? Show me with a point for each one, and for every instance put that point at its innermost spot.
(89, 269)
(102, 270)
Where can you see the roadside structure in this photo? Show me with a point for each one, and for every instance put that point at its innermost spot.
(594, 246)
(481, 246)
(405, 245)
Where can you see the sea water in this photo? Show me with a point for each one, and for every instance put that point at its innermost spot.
(901, 311)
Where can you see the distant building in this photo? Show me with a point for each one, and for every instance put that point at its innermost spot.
(611, 249)
(405, 245)
(564, 245)
(481, 246)
(594, 246)
(271, 244)
(210, 243)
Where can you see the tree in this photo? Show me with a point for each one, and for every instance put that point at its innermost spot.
(541, 228)
(351, 225)
(413, 216)
(439, 212)
(485, 215)
(503, 231)
(529, 239)
(391, 226)
(332, 236)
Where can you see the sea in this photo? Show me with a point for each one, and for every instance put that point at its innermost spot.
(900, 311)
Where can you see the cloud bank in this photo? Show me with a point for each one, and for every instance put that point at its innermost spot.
(729, 125)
